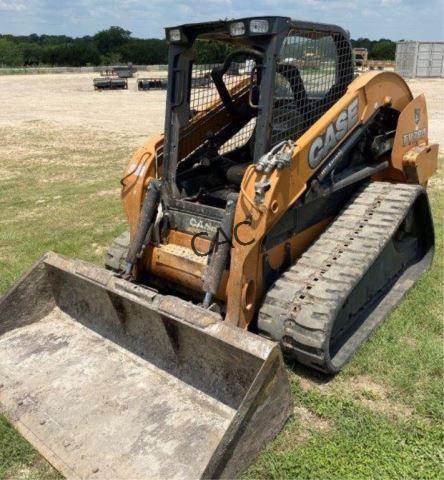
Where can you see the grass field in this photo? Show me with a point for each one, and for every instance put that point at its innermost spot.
(381, 418)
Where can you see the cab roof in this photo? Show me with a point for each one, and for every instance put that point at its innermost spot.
(220, 29)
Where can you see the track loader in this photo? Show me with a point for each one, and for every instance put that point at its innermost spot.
(283, 210)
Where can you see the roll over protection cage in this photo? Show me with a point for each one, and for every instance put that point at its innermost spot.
(182, 55)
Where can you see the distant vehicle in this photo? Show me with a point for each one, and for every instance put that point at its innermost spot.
(361, 57)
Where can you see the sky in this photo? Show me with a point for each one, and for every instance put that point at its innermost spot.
(394, 19)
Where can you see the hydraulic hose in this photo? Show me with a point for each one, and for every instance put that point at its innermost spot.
(149, 207)
(219, 258)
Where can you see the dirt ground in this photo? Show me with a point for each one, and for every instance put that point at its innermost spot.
(69, 101)
(433, 88)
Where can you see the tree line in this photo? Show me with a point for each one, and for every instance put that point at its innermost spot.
(116, 45)
(383, 49)
(107, 47)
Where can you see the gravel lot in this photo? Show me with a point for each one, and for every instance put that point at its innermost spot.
(69, 101)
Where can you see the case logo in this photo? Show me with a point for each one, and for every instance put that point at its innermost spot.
(334, 133)
(200, 224)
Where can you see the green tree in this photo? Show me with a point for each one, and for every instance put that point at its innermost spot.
(32, 53)
(111, 58)
(111, 39)
(363, 43)
(76, 54)
(211, 51)
(10, 53)
(384, 49)
(146, 52)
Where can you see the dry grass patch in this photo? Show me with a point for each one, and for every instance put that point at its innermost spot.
(373, 395)
(364, 389)
(309, 423)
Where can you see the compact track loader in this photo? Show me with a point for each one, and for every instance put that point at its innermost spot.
(283, 210)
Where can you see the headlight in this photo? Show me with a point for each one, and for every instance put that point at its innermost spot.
(175, 35)
(237, 29)
(259, 26)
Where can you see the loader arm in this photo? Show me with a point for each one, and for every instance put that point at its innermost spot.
(247, 282)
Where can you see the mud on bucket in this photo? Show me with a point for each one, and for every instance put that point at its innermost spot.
(108, 379)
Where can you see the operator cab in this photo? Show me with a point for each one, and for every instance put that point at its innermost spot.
(273, 79)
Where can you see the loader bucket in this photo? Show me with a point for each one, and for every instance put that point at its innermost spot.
(108, 379)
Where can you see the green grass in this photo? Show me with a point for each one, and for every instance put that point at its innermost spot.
(380, 418)
(385, 410)
(360, 444)
(19, 460)
(59, 193)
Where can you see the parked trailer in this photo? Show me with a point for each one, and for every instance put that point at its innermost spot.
(420, 59)
(108, 83)
(203, 81)
(144, 84)
(125, 71)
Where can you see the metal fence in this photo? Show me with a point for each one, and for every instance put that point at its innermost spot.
(34, 70)
(420, 59)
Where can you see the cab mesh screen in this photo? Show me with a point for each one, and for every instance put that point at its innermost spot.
(312, 72)
(204, 95)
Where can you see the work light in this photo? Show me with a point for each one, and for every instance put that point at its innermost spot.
(237, 29)
(259, 26)
(175, 35)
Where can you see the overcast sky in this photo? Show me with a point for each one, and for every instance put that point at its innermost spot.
(395, 19)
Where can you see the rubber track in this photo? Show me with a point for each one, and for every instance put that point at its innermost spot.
(116, 254)
(300, 308)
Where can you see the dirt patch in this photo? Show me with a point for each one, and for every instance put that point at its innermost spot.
(304, 424)
(433, 89)
(309, 423)
(364, 384)
(6, 174)
(436, 182)
(389, 408)
(128, 116)
(98, 249)
(373, 395)
(70, 101)
(307, 383)
(308, 419)
(362, 389)
(115, 192)
(410, 342)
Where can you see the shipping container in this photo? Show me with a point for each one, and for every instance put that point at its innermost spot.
(420, 59)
